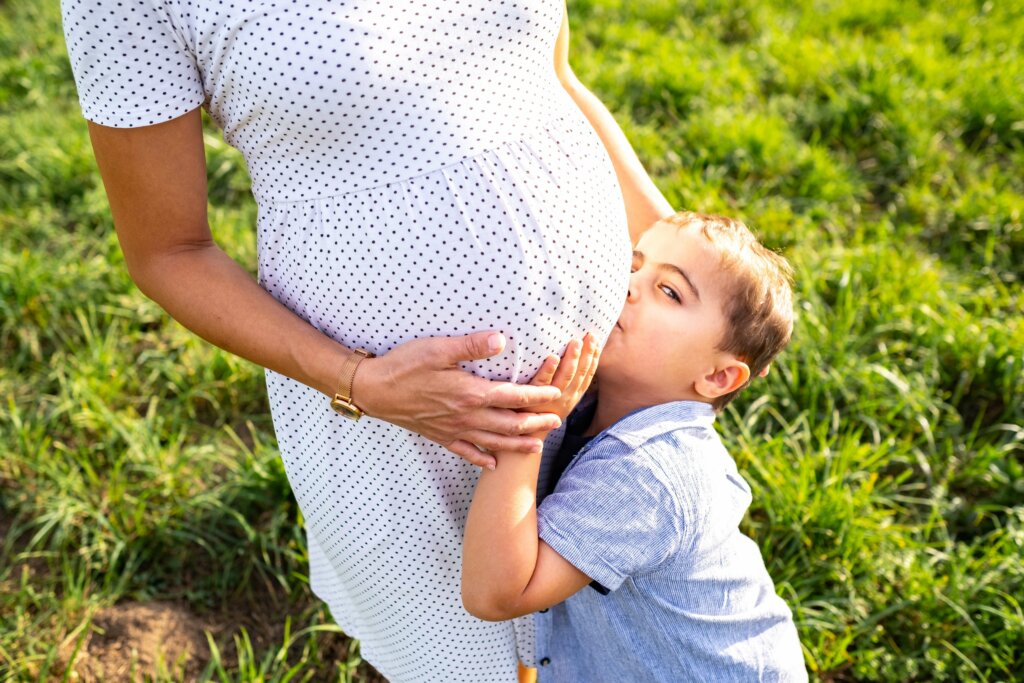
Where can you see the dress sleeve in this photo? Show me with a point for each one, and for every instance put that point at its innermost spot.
(132, 66)
(612, 518)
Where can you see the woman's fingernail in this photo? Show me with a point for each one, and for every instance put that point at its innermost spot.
(490, 466)
(494, 342)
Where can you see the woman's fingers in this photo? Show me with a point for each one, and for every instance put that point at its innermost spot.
(517, 396)
(472, 454)
(496, 443)
(531, 423)
(476, 346)
(507, 422)
(417, 386)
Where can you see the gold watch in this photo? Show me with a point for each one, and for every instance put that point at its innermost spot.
(342, 401)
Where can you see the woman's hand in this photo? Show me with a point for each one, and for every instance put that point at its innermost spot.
(419, 386)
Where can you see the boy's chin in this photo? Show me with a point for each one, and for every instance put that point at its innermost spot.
(610, 365)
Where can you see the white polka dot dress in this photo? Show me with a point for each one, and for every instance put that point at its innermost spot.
(419, 171)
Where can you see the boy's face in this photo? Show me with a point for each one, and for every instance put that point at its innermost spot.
(665, 342)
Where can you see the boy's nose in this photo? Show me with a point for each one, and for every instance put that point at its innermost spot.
(634, 288)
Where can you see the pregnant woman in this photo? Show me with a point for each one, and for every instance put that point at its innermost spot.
(441, 206)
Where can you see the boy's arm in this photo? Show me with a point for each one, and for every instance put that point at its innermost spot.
(644, 203)
(507, 571)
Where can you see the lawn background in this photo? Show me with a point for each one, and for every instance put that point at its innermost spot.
(879, 144)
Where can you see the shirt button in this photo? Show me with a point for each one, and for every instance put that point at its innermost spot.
(545, 661)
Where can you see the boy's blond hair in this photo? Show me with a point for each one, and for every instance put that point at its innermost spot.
(759, 299)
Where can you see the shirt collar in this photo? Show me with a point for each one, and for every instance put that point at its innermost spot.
(644, 424)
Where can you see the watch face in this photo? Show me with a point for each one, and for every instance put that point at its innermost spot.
(347, 409)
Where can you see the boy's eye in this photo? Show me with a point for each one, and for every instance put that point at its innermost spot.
(636, 263)
(671, 293)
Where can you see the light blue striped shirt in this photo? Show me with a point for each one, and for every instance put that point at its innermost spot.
(650, 510)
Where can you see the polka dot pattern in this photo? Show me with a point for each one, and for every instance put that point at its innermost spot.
(419, 171)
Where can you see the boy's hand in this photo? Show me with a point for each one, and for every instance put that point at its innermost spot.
(572, 374)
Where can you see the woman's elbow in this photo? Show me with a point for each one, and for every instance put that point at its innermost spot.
(151, 282)
(154, 271)
(140, 276)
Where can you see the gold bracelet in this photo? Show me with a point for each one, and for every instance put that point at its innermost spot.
(342, 401)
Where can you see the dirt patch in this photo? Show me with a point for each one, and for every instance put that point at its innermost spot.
(136, 640)
(141, 641)
(262, 612)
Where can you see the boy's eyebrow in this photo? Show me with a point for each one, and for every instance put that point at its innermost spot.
(682, 273)
(674, 268)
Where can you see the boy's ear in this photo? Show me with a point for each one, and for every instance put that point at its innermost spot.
(724, 379)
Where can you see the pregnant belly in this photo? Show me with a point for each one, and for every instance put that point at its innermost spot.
(529, 239)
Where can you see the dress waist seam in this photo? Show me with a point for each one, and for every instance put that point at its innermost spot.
(541, 129)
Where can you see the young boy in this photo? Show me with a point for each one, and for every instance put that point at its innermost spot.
(635, 560)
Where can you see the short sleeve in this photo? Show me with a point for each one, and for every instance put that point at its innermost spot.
(131, 65)
(612, 518)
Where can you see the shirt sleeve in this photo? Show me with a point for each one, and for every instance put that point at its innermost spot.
(612, 518)
(132, 67)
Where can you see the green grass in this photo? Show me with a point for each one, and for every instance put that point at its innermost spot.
(880, 144)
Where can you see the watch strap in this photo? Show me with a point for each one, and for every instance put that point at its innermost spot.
(348, 374)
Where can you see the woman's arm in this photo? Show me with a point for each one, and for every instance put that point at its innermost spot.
(507, 571)
(155, 178)
(645, 204)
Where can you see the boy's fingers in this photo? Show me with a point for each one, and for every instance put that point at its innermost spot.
(589, 347)
(587, 366)
(595, 357)
(567, 367)
(546, 372)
